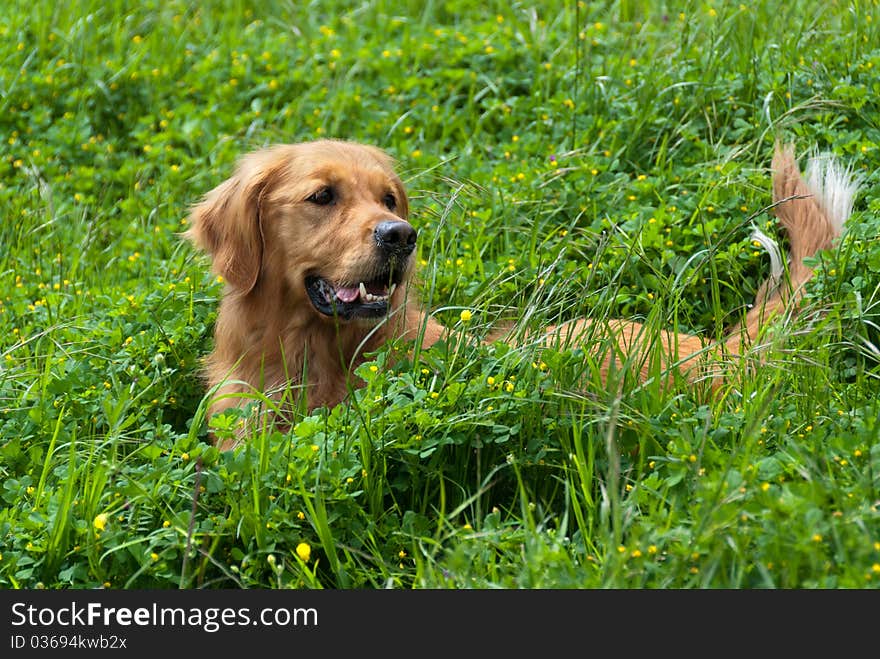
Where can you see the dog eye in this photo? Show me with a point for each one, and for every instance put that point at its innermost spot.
(390, 201)
(322, 197)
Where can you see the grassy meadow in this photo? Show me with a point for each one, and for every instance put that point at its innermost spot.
(563, 159)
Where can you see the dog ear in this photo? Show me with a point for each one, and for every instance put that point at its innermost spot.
(227, 222)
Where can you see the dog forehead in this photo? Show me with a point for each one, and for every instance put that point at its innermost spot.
(343, 175)
(328, 161)
(339, 157)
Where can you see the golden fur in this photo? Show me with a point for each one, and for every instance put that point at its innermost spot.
(333, 214)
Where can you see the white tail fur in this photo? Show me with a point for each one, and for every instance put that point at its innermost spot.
(773, 251)
(835, 187)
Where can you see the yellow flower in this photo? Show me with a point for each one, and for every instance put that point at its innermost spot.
(100, 521)
(465, 316)
(304, 551)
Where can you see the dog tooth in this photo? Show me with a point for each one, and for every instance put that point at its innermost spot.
(363, 289)
(391, 290)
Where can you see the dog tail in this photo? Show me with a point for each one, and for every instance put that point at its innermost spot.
(813, 209)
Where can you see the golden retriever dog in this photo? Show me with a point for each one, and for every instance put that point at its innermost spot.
(315, 245)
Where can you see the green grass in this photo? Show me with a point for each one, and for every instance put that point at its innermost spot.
(602, 159)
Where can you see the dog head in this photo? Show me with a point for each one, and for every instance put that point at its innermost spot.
(325, 220)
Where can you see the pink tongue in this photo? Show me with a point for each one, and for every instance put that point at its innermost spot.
(348, 294)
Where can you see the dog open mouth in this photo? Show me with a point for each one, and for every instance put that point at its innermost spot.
(363, 300)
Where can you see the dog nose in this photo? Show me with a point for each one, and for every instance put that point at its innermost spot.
(395, 237)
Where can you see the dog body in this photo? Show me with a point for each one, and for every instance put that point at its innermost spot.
(315, 245)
